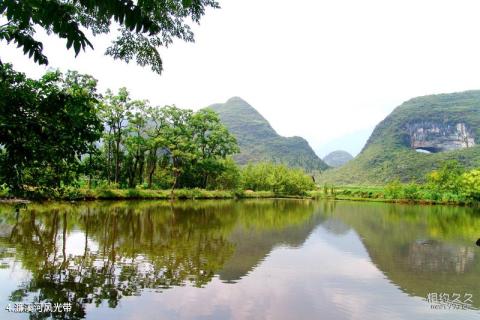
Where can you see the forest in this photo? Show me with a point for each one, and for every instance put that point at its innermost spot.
(58, 134)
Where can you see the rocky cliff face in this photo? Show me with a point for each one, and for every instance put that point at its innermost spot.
(437, 137)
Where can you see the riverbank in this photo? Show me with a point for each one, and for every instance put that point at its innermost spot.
(346, 193)
(387, 195)
(80, 194)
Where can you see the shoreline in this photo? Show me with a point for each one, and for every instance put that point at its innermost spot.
(78, 195)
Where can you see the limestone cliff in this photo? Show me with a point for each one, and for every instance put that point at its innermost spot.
(437, 137)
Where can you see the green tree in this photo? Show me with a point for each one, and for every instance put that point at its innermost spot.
(227, 178)
(154, 132)
(447, 178)
(115, 110)
(277, 178)
(136, 144)
(46, 126)
(144, 25)
(470, 183)
(213, 144)
(175, 138)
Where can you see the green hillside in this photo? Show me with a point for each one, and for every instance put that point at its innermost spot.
(258, 141)
(446, 125)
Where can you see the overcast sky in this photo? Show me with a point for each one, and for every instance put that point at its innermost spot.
(328, 71)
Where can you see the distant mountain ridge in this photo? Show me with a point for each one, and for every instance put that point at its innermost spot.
(416, 138)
(337, 158)
(258, 141)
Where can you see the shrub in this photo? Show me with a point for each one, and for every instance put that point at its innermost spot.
(393, 190)
(4, 190)
(410, 191)
(276, 178)
(470, 184)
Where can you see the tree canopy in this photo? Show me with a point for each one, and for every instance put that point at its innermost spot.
(143, 25)
(46, 125)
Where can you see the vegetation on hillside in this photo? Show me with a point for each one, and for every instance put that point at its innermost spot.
(388, 156)
(259, 142)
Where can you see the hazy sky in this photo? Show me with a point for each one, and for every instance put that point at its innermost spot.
(324, 70)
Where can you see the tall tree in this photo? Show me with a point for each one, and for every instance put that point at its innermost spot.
(136, 143)
(46, 126)
(175, 137)
(144, 25)
(212, 141)
(115, 111)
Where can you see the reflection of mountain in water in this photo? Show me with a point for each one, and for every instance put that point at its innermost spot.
(253, 245)
(336, 226)
(420, 249)
(121, 249)
(435, 256)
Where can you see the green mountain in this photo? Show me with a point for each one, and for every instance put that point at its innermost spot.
(337, 158)
(416, 138)
(258, 141)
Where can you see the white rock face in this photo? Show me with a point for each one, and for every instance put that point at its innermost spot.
(435, 137)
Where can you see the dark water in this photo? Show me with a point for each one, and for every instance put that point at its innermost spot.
(259, 259)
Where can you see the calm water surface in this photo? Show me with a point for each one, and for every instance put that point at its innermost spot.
(255, 259)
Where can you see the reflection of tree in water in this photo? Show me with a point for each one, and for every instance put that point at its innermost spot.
(131, 247)
(135, 251)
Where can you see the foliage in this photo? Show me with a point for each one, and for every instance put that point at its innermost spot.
(229, 177)
(144, 25)
(393, 190)
(277, 178)
(4, 190)
(449, 184)
(46, 125)
(470, 182)
(447, 178)
(59, 139)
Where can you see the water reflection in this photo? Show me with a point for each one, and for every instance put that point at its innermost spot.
(421, 249)
(338, 259)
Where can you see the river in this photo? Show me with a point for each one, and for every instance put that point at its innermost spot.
(246, 259)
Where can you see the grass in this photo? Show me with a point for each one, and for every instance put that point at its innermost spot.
(74, 194)
(380, 194)
(350, 193)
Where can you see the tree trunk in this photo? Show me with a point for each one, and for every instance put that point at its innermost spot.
(109, 159)
(90, 170)
(153, 166)
(141, 168)
(117, 160)
(175, 178)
